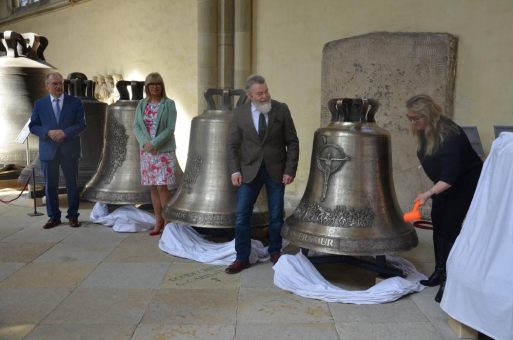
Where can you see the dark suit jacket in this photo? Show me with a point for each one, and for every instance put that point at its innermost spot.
(279, 150)
(72, 122)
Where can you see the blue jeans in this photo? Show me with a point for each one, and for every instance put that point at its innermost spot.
(246, 198)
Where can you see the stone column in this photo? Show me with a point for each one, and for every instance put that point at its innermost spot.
(207, 48)
(242, 52)
(225, 43)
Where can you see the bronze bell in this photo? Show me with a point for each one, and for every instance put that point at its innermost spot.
(349, 206)
(22, 81)
(206, 197)
(118, 178)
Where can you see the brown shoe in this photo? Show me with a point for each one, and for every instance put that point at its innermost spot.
(236, 267)
(275, 257)
(74, 223)
(52, 223)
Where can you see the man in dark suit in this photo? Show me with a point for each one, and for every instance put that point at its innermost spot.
(263, 149)
(58, 120)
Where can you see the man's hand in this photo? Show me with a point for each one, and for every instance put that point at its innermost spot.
(57, 135)
(237, 179)
(287, 179)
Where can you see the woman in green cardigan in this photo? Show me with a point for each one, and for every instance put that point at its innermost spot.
(154, 127)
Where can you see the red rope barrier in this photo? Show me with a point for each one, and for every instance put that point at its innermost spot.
(22, 190)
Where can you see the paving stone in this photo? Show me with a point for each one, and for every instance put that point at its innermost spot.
(102, 306)
(399, 330)
(266, 306)
(324, 331)
(6, 269)
(195, 275)
(183, 331)
(20, 306)
(22, 252)
(192, 306)
(48, 275)
(404, 309)
(81, 332)
(127, 275)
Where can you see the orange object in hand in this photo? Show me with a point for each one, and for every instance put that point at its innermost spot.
(414, 214)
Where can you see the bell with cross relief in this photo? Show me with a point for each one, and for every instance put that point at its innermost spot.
(349, 206)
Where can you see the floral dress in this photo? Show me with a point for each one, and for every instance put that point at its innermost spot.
(158, 168)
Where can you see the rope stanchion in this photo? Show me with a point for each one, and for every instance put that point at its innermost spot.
(35, 213)
(33, 177)
(22, 190)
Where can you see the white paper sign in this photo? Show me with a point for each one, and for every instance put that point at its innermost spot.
(24, 133)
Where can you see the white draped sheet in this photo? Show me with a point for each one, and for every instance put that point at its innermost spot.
(479, 288)
(294, 273)
(125, 219)
(183, 241)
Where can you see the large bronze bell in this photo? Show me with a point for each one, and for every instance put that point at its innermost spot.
(22, 81)
(206, 197)
(118, 178)
(349, 206)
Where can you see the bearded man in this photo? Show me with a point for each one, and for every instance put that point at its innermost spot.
(263, 149)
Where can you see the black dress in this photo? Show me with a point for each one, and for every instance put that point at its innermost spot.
(455, 162)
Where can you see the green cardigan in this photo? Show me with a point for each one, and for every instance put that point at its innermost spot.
(164, 140)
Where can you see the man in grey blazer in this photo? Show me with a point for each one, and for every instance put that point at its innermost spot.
(263, 149)
(58, 120)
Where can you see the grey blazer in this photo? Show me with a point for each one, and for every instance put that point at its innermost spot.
(279, 150)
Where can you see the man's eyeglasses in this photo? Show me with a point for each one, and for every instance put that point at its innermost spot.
(56, 84)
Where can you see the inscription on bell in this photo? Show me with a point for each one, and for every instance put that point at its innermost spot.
(340, 216)
(116, 152)
(323, 241)
(192, 172)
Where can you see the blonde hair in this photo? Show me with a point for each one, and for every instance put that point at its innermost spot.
(437, 127)
(154, 78)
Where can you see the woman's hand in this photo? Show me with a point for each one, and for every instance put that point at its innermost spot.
(148, 147)
(423, 197)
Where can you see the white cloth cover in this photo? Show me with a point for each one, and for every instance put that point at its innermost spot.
(125, 219)
(183, 241)
(479, 288)
(296, 274)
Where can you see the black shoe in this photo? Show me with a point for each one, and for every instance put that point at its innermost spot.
(52, 223)
(440, 293)
(435, 278)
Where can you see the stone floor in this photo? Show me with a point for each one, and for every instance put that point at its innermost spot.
(93, 283)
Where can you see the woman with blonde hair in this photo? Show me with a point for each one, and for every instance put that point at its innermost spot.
(449, 160)
(154, 127)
